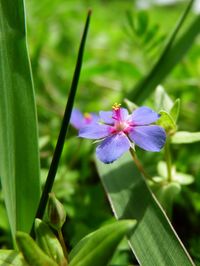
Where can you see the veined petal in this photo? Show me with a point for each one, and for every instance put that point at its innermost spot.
(112, 147)
(94, 131)
(144, 116)
(76, 119)
(95, 118)
(124, 114)
(149, 138)
(106, 116)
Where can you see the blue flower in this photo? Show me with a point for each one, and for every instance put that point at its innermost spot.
(79, 120)
(116, 130)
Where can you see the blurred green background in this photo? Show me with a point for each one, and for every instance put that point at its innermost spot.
(123, 43)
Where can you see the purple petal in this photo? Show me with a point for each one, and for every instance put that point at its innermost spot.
(76, 119)
(144, 116)
(94, 131)
(149, 138)
(106, 116)
(112, 148)
(95, 118)
(124, 114)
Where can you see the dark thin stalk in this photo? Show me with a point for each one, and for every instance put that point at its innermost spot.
(64, 127)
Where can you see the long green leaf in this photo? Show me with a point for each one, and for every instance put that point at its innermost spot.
(154, 242)
(11, 258)
(65, 124)
(98, 247)
(19, 161)
(171, 56)
(32, 253)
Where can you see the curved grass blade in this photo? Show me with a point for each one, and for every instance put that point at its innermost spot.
(64, 126)
(170, 57)
(19, 162)
(11, 258)
(98, 247)
(154, 241)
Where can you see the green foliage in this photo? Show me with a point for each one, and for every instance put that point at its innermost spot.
(19, 164)
(65, 124)
(116, 58)
(185, 137)
(11, 258)
(49, 243)
(167, 122)
(32, 254)
(173, 52)
(99, 247)
(130, 198)
(174, 111)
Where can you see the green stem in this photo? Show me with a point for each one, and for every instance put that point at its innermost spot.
(168, 160)
(62, 242)
(138, 164)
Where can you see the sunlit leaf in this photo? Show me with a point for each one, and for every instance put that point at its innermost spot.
(162, 99)
(19, 162)
(130, 198)
(32, 254)
(185, 137)
(183, 179)
(11, 258)
(174, 112)
(170, 57)
(178, 177)
(98, 247)
(167, 122)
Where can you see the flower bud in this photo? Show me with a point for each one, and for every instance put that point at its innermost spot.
(56, 212)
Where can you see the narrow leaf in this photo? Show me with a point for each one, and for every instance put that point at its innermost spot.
(19, 162)
(65, 124)
(174, 112)
(185, 137)
(154, 241)
(33, 255)
(11, 258)
(162, 99)
(171, 56)
(167, 122)
(98, 247)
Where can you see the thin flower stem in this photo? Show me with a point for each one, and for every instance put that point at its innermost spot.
(168, 160)
(62, 242)
(138, 164)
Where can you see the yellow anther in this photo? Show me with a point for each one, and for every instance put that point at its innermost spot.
(116, 106)
(87, 115)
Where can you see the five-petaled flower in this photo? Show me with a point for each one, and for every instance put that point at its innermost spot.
(116, 130)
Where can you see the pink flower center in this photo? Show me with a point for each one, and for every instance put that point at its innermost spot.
(120, 125)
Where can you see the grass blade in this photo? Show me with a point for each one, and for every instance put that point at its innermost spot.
(170, 57)
(154, 242)
(64, 126)
(98, 247)
(19, 162)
